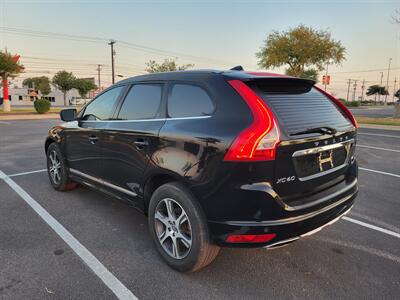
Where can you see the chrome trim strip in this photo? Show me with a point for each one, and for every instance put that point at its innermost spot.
(324, 172)
(347, 144)
(147, 120)
(105, 183)
(321, 148)
(276, 244)
(323, 199)
(279, 244)
(289, 220)
(315, 138)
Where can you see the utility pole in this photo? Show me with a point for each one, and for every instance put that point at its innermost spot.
(362, 90)
(98, 76)
(379, 94)
(326, 75)
(354, 90)
(111, 43)
(394, 87)
(348, 89)
(387, 81)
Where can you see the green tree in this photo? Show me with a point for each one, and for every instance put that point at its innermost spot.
(41, 83)
(310, 74)
(300, 48)
(9, 68)
(377, 90)
(166, 66)
(84, 86)
(64, 81)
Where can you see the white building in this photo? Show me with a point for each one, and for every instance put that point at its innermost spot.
(25, 96)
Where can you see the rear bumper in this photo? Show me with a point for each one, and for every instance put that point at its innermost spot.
(286, 229)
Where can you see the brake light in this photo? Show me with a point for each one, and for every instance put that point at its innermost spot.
(341, 106)
(259, 141)
(250, 238)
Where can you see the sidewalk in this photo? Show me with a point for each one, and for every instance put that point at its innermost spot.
(12, 117)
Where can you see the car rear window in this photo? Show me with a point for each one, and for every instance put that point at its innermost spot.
(189, 101)
(299, 106)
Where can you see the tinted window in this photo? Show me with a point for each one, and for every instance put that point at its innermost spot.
(102, 107)
(189, 101)
(142, 102)
(299, 106)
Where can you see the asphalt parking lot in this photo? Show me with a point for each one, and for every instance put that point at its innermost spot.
(356, 258)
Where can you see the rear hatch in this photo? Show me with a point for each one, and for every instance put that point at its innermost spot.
(317, 138)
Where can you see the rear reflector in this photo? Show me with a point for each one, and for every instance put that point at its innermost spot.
(259, 141)
(250, 238)
(341, 106)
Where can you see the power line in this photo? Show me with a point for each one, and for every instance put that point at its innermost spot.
(62, 36)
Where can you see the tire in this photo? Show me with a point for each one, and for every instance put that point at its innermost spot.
(193, 250)
(62, 181)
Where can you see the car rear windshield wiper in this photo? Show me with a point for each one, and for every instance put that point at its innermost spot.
(323, 130)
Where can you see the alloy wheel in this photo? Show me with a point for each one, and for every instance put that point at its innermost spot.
(55, 167)
(173, 228)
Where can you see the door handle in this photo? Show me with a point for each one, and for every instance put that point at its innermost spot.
(141, 143)
(93, 139)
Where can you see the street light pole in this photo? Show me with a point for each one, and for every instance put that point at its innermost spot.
(379, 94)
(387, 81)
(111, 43)
(98, 74)
(348, 90)
(326, 74)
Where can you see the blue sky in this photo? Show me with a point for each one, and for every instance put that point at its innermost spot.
(224, 33)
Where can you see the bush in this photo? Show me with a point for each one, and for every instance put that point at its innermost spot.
(42, 106)
(350, 103)
(353, 104)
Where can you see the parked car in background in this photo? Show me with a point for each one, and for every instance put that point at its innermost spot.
(214, 158)
(79, 101)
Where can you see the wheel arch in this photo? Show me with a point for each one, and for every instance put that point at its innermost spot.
(49, 140)
(156, 180)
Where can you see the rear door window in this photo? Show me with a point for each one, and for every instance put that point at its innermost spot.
(141, 102)
(189, 101)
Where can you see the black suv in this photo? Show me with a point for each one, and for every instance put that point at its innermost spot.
(214, 158)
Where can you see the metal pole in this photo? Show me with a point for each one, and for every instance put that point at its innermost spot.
(354, 91)
(111, 43)
(362, 90)
(394, 87)
(348, 90)
(326, 75)
(379, 94)
(387, 81)
(98, 74)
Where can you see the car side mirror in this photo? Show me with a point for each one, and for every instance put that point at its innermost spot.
(68, 115)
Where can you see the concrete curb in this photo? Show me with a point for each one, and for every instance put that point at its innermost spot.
(13, 117)
(384, 127)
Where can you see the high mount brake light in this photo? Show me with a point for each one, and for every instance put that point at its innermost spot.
(341, 106)
(257, 142)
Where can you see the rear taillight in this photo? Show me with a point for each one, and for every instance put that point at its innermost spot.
(250, 238)
(259, 141)
(341, 106)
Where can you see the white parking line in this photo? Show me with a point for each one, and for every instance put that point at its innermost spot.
(377, 134)
(26, 173)
(116, 286)
(379, 172)
(370, 226)
(378, 148)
